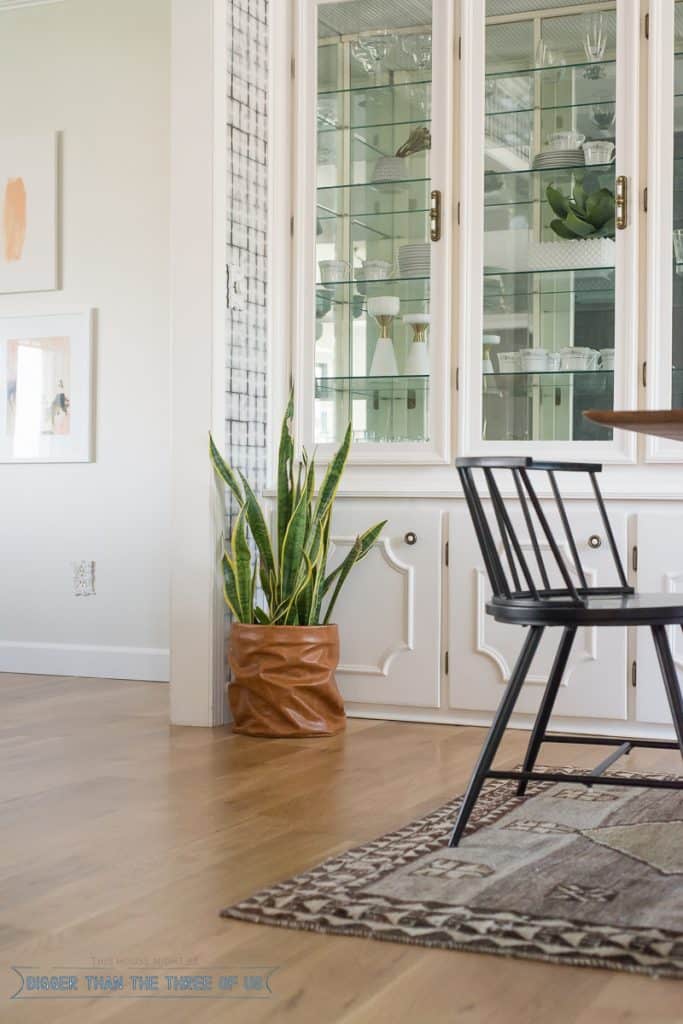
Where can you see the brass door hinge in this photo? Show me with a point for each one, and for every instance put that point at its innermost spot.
(446, 555)
(634, 558)
(644, 374)
(621, 202)
(445, 663)
(459, 47)
(292, 67)
(634, 674)
(646, 25)
(645, 199)
(457, 378)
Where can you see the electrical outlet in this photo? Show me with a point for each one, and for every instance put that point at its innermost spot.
(83, 578)
(236, 290)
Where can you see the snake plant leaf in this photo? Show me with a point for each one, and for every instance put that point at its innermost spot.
(360, 549)
(225, 472)
(320, 581)
(332, 478)
(230, 592)
(259, 531)
(366, 539)
(285, 474)
(293, 547)
(241, 558)
(558, 202)
(261, 617)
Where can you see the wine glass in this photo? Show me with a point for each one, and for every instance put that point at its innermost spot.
(419, 49)
(378, 46)
(595, 44)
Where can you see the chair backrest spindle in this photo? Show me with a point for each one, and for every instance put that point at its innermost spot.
(510, 573)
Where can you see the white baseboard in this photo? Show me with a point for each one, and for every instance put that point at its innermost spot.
(148, 664)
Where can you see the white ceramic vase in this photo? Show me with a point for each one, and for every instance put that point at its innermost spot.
(417, 363)
(384, 360)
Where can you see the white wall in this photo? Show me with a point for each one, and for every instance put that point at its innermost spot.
(98, 71)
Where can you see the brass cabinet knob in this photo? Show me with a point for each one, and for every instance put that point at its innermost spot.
(594, 541)
(410, 538)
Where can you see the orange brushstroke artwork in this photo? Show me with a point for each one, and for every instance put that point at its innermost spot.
(14, 219)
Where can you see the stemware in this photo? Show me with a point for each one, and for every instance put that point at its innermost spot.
(379, 47)
(419, 49)
(595, 44)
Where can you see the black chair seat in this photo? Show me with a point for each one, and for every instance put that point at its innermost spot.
(631, 610)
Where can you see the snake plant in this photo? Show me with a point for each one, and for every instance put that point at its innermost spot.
(583, 214)
(291, 565)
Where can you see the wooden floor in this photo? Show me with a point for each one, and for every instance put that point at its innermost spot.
(122, 839)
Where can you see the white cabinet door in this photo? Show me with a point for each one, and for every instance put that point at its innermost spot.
(482, 651)
(660, 570)
(389, 613)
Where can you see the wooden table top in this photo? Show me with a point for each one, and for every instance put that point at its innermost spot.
(659, 422)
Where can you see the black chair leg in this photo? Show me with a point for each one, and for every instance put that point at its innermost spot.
(512, 691)
(670, 676)
(544, 712)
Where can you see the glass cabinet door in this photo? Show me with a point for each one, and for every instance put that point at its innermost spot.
(375, 307)
(549, 341)
(662, 372)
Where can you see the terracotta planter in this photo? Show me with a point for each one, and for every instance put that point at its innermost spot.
(283, 680)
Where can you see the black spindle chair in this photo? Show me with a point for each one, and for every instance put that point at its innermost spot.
(542, 591)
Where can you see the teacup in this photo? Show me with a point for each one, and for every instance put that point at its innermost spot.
(333, 271)
(565, 140)
(373, 270)
(578, 358)
(508, 362)
(533, 360)
(607, 355)
(598, 151)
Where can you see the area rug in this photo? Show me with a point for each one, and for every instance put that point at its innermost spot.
(568, 874)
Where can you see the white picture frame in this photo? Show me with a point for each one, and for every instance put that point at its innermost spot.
(28, 213)
(46, 386)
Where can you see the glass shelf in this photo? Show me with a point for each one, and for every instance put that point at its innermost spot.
(364, 198)
(373, 89)
(496, 272)
(548, 373)
(362, 127)
(379, 186)
(373, 389)
(572, 168)
(547, 108)
(385, 282)
(550, 69)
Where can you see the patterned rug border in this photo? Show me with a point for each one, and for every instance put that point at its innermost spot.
(490, 808)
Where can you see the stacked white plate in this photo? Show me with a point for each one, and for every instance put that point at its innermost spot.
(414, 260)
(550, 159)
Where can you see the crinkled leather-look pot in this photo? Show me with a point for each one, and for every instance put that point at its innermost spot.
(283, 680)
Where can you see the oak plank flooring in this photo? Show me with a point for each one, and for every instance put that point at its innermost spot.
(122, 837)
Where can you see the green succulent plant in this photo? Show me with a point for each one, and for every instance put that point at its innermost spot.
(583, 214)
(291, 566)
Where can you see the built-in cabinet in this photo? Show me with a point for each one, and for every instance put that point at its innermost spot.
(473, 267)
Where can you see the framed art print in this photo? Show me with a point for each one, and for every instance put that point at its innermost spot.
(46, 387)
(28, 213)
